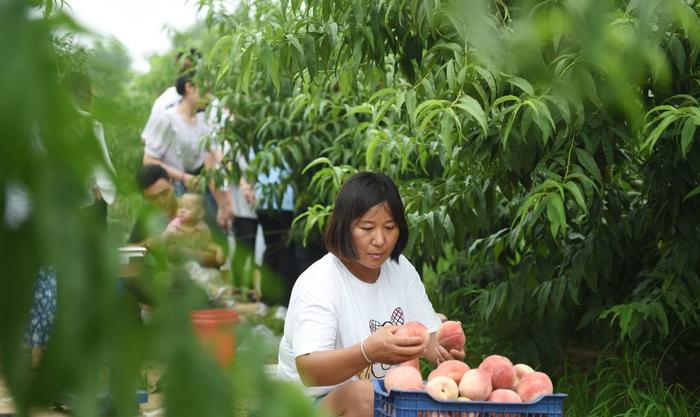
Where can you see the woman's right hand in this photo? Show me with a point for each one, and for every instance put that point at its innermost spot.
(384, 346)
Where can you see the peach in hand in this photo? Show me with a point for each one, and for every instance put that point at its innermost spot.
(451, 336)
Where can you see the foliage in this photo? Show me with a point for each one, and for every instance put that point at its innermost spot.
(549, 142)
(97, 342)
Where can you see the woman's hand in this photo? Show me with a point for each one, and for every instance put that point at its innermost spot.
(442, 355)
(384, 346)
(437, 354)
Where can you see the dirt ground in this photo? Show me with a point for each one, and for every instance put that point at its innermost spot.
(152, 408)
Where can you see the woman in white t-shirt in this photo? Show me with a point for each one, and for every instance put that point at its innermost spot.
(176, 141)
(345, 309)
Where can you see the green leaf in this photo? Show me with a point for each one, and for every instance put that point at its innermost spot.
(687, 135)
(362, 108)
(587, 161)
(371, 148)
(657, 311)
(474, 109)
(295, 42)
(523, 84)
(556, 213)
(224, 43)
(400, 99)
(509, 127)
(656, 133)
(381, 93)
(411, 106)
(446, 128)
(505, 99)
(317, 161)
(576, 193)
(562, 106)
(692, 194)
(677, 53)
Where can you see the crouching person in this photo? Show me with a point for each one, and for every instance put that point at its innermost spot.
(345, 309)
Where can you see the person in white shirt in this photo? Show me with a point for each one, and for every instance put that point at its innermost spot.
(345, 309)
(177, 143)
(170, 97)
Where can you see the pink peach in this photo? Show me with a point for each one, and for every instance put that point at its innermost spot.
(451, 335)
(534, 385)
(403, 378)
(453, 369)
(475, 385)
(504, 396)
(501, 370)
(413, 328)
(442, 388)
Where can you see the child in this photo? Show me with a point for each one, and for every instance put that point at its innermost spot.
(188, 234)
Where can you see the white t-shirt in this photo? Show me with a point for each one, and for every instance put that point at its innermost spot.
(104, 172)
(332, 309)
(170, 98)
(176, 142)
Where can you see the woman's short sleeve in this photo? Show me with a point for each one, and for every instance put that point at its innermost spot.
(315, 324)
(157, 135)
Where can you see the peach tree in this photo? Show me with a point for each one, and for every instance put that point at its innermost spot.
(544, 149)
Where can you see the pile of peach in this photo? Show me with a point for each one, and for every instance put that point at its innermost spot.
(496, 379)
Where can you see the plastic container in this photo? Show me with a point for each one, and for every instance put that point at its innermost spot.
(215, 329)
(420, 404)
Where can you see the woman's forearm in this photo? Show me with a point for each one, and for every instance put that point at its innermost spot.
(330, 367)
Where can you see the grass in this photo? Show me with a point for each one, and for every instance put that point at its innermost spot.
(627, 385)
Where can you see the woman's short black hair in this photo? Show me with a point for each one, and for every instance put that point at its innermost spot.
(182, 80)
(361, 192)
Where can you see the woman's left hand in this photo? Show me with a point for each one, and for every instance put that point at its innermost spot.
(443, 355)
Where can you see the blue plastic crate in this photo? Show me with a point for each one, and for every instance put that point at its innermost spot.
(420, 404)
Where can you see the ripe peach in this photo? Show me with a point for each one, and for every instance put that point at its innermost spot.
(475, 385)
(442, 388)
(501, 370)
(403, 378)
(504, 396)
(413, 328)
(453, 369)
(534, 385)
(451, 335)
(520, 371)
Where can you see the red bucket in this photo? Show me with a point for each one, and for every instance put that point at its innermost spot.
(216, 331)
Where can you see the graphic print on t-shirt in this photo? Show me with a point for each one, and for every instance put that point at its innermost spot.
(379, 370)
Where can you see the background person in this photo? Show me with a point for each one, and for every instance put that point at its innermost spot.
(176, 143)
(187, 235)
(160, 210)
(345, 309)
(246, 274)
(170, 98)
(276, 217)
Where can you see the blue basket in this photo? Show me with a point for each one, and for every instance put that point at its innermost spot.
(420, 404)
